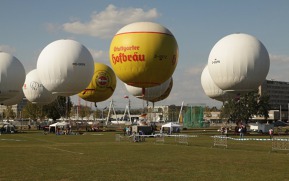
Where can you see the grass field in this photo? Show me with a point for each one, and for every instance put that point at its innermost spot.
(98, 156)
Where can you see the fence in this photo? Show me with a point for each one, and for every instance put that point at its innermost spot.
(182, 139)
(119, 138)
(280, 143)
(221, 141)
(160, 138)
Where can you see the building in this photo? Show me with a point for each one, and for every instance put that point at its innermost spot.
(163, 113)
(278, 91)
(17, 109)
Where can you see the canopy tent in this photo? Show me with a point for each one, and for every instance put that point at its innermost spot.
(61, 125)
(173, 127)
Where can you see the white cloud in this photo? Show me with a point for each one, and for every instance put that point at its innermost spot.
(279, 58)
(106, 23)
(7, 49)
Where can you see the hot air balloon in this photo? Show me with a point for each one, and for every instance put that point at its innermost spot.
(35, 92)
(239, 63)
(144, 54)
(211, 89)
(65, 67)
(165, 94)
(12, 76)
(102, 85)
(151, 93)
(14, 100)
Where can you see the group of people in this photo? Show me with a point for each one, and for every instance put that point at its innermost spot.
(127, 131)
(136, 136)
(63, 130)
(241, 129)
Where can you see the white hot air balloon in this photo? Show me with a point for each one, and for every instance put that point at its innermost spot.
(35, 92)
(12, 76)
(149, 93)
(65, 67)
(14, 100)
(165, 94)
(211, 89)
(239, 63)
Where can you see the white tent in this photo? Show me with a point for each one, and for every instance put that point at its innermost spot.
(173, 127)
(63, 125)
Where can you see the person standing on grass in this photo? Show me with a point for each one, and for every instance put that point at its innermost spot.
(226, 131)
(271, 133)
(242, 131)
(124, 131)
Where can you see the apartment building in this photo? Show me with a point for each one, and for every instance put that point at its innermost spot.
(279, 95)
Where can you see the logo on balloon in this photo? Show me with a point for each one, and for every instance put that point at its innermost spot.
(35, 85)
(121, 57)
(161, 57)
(216, 61)
(102, 80)
(78, 64)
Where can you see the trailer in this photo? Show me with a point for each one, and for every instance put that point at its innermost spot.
(146, 130)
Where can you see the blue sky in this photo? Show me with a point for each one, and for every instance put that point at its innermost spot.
(28, 26)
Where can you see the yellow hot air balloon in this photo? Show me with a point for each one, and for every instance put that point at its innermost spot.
(102, 85)
(144, 54)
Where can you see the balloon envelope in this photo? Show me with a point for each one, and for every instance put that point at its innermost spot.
(165, 94)
(144, 54)
(35, 92)
(149, 93)
(14, 100)
(12, 76)
(211, 89)
(102, 85)
(238, 62)
(65, 67)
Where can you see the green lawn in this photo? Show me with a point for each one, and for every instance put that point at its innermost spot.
(97, 156)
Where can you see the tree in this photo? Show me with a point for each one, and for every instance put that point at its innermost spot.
(136, 111)
(243, 107)
(264, 106)
(32, 111)
(84, 111)
(97, 114)
(8, 113)
(58, 108)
